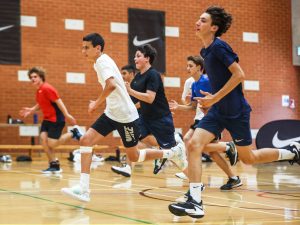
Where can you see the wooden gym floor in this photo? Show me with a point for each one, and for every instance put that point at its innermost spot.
(270, 195)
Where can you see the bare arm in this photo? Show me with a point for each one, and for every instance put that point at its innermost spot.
(64, 110)
(110, 86)
(148, 97)
(173, 105)
(237, 77)
(26, 111)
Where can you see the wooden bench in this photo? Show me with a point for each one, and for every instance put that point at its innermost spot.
(31, 148)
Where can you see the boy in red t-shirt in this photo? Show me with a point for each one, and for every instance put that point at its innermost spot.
(55, 113)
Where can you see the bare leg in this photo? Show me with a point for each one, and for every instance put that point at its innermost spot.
(49, 151)
(90, 138)
(221, 162)
(195, 147)
(249, 156)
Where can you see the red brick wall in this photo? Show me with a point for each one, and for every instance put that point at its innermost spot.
(59, 51)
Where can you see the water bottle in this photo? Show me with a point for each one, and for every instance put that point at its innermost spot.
(35, 118)
(9, 119)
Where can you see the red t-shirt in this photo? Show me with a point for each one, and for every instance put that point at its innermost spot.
(46, 96)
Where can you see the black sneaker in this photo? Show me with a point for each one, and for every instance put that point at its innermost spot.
(189, 208)
(294, 147)
(76, 133)
(158, 165)
(231, 183)
(206, 158)
(54, 167)
(71, 157)
(232, 153)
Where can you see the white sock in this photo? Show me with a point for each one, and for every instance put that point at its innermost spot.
(168, 154)
(85, 181)
(195, 189)
(234, 177)
(285, 154)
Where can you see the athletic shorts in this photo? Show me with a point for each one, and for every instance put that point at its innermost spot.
(54, 129)
(239, 128)
(194, 125)
(162, 129)
(129, 132)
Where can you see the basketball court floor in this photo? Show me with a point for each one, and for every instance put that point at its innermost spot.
(270, 195)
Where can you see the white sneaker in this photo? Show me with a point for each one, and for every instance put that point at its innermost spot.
(77, 193)
(179, 157)
(181, 175)
(96, 158)
(6, 159)
(122, 170)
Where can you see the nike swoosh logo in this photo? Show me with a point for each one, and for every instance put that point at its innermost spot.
(6, 27)
(195, 211)
(282, 143)
(136, 42)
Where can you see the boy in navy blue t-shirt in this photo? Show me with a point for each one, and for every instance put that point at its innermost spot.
(228, 109)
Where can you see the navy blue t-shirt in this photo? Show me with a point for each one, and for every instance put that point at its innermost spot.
(217, 58)
(151, 80)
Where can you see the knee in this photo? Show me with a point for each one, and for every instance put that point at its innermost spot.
(85, 141)
(194, 147)
(248, 161)
(133, 156)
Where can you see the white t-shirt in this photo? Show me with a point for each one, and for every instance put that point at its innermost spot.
(187, 90)
(119, 106)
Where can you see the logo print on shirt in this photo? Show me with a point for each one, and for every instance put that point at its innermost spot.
(129, 134)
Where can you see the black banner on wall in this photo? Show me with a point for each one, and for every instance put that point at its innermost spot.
(10, 34)
(147, 27)
(278, 134)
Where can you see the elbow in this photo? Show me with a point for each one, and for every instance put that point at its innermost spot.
(112, 87)
(241, 76)
(150, 100)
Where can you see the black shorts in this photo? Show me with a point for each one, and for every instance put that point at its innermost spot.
(54, 129)
(162, 129)
(129, 132)
(194, 125)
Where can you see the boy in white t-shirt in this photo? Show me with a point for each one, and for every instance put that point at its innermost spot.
(120, 114)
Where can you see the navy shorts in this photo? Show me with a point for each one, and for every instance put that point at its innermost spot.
(239, 128)
(162, 129)
(194, 125)
(54, 129)
(129, 132)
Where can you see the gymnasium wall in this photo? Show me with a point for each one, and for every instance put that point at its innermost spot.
(260, 34)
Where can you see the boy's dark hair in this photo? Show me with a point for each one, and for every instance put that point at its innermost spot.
(198, 60)
(130, 68)
(39, 71)
(96, 39)
(148, 51)
(220, 18)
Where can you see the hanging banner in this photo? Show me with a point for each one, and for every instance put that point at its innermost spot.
(147, 27)
(10, 34)
(278, 134)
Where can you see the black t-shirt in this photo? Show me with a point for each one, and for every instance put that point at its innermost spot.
(151, 80)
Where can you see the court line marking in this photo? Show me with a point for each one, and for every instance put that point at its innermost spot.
(97, 179)
(78, 207)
